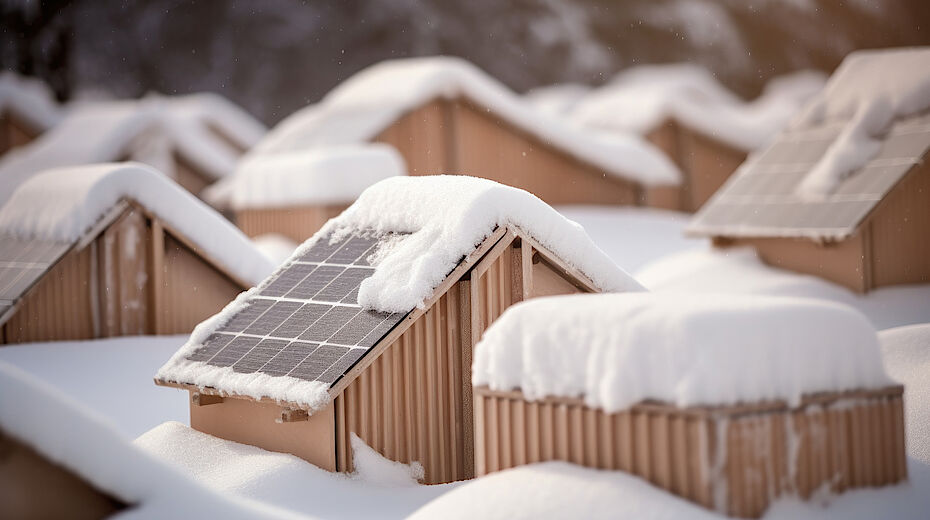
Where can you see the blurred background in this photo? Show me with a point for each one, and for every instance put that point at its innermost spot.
(275, 56)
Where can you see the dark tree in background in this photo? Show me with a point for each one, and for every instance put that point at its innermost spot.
(274, 56)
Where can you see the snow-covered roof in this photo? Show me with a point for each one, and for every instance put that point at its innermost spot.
(29, 100)
(205, 130)
(907, 359)
(616, 350)
(61, 205)
(390, 251)
(370, 101)
(331, 175)
(64, 432)
(822, 177)
(642, 98)
(558, 99)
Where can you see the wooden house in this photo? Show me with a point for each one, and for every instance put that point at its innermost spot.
(27, 109)
(703, 127)
(709, 435)
(871, 227)
(445, 116)
(115, 249)
(295, 194)
(193, 139)
(298, 365)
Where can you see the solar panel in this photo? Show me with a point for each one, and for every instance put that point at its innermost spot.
(305, 322)
(22, 263)
(761, 198)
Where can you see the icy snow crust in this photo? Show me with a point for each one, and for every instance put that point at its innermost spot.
(367, 103)
(869, 91)
(334, 175)
(62, 204)
(443, 218)
(616, 350)
(30, 100)
(906, 351)
(66, 433)
(642, 98)
(149, 130)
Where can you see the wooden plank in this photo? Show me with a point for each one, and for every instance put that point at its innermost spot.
(156, 273)
(198, 399)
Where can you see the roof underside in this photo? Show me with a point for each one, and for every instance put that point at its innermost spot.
(761, 199)
(305, 322)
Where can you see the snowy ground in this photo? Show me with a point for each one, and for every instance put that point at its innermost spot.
(110, 376)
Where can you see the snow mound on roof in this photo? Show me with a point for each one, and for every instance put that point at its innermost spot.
(869, 91)
(906, 351)
(336, 175)
(34, 413)
(642, 98)
(558, 99)
(30, 100)
(446, 218)
(62, 204)
(616, 350)
(275, 246)
(368, 102)
(203, 129)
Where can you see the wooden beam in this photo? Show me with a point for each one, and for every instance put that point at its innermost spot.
(199, 399)
(578, 278)
(157, 274)
(289, 415)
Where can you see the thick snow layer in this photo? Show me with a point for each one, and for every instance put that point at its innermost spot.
(869, 91)
(642, 98)
(557, 490)
(277, 248)
(245, 471)
(203, 129)
(29, 100)
(557, 100)
(65, 432)
(334, 175)
(633, 237)
(62, 204)
(368, 102)
(616, 350)
(906, 351)
(739, 270)
(447, 216)
(84, 371)
(370, 466)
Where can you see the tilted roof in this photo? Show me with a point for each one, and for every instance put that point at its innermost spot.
(370, 101)
(297, 333)
(825, 174)
(30, 100)
(60, 209)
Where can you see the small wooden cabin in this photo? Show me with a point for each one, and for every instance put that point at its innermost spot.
(872, 230)
(445, 116)
(700, 125)
(27, 109)
(401, 381)
(732, 458)
(195, 139)
(133, 270)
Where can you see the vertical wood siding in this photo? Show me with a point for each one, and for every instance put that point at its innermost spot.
(296, 223)
(734, 460)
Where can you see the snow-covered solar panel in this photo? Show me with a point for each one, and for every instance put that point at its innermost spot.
(306, 321)
(761, 199)
(22, 263)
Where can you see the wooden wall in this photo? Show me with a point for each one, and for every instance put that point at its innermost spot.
(33, 487)
(13, 133)
(133, 278)
(413, 403)
(461, 138)
(296, 223)
(735, 460)
(190, 177)
(891, 247)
